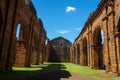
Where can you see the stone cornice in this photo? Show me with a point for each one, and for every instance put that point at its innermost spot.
(94, 15)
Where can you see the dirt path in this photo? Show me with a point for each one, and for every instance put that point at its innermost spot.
(64, 75)
(77, 77)
(58, 75)
(102, 76)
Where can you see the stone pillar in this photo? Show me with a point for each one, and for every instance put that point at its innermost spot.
(81, 53)
(13, 46)
(92, 55)
(107, 59)
(43, 51)
(1, 27)
(29, 40)
(90, 46)
(71, 54)
(117, 38)
(76, 54)
(113, 54)
(7, 36)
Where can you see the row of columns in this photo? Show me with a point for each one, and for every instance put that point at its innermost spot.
(102, 56)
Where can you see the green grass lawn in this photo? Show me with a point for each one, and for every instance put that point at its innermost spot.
(21, 73)
(84, 71)
(87, 72)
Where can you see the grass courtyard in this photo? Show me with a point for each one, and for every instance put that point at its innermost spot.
(24, 73)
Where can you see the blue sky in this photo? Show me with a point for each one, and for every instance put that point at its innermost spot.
(64, 18)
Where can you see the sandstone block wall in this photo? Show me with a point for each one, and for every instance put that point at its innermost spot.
(104, 20)
(13, 13)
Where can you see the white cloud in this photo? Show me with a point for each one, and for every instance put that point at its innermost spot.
(63, 31)
(70, 8)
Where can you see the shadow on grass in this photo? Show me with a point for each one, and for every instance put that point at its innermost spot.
(51, 71)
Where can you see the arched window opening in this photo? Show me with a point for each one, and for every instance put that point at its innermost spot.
(102, 36)
(21, 47)
(46, 42)
(18, 32)
(98, 46)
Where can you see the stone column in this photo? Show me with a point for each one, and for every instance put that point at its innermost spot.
(42, 49)
(75, 54)
(81, 53)
(88, 46)
(29, 40)
(117, 38)
(113, 54)
(70, 54)
(7, 36)
(107, 59)
(78, 52)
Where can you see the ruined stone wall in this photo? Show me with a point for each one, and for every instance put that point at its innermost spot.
(13, 13)
(60, 50)
(38, 42)
(100, 55)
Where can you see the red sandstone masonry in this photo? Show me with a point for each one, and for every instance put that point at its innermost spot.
(107, 18)
(12, 13)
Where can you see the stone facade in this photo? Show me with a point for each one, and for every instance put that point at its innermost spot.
(88, 49)
(32, 34)
(60, 50)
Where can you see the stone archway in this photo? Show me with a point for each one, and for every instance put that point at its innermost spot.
(84, 52)
(20, 47)
(97, 48)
